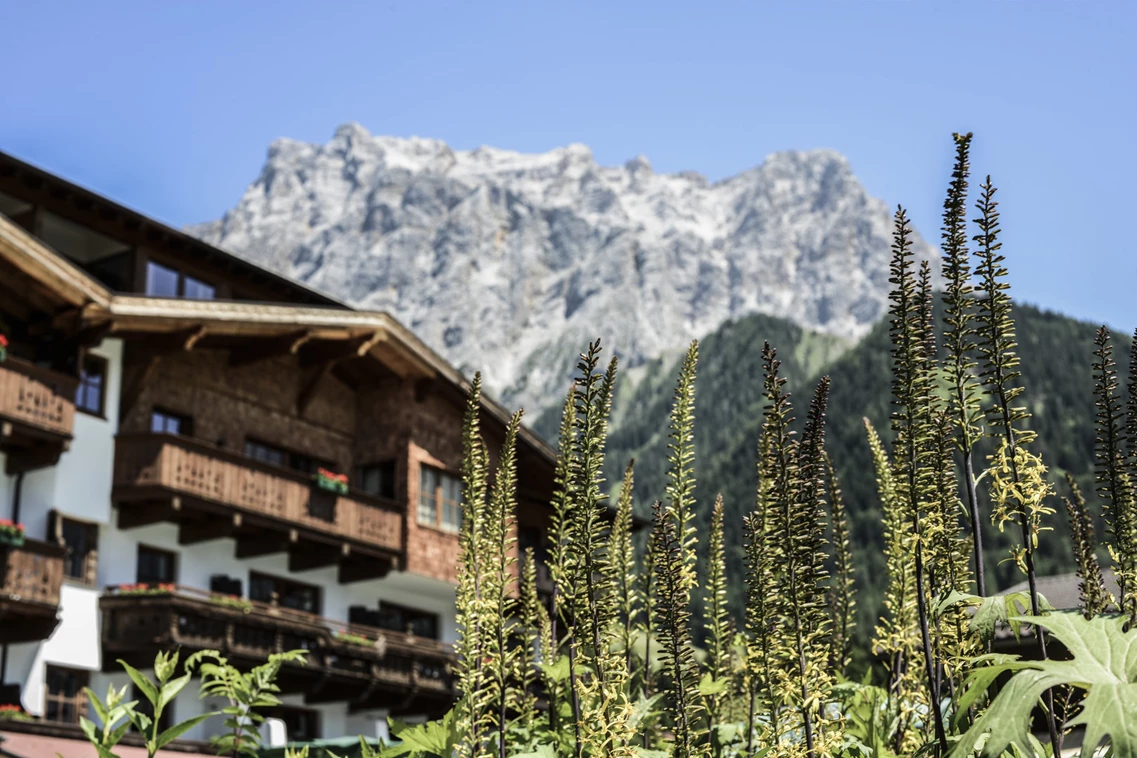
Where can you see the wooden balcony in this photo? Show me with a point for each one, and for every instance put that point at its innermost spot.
(212, 493)
(37, 412)
(30, 578)
(392, 670)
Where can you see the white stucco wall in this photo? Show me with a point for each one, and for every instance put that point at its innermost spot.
(335, 721)
(118, 552)
(79, 486)
(5, 490)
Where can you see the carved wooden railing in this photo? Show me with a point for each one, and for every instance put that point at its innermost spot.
(183, 466)
(174, 616)
(37, 397)
(31, 574)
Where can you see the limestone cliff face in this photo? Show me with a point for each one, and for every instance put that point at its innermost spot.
(509, 263)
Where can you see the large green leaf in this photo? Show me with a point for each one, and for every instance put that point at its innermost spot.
(177, 730)
(1104, 663)
(145, 686)
(434, 738)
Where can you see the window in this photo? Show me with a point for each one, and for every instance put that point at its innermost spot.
(222, 584)
(284, 592)
(275, 456)
(164, 422)
(81, 541)
(195, 289)
(265, 453)
(399, 618)
(155, 566)
(91, 393)
(306, 464)
(300, 724)
(64, 700)
(163, 281)
(378, 479)
(440, 499)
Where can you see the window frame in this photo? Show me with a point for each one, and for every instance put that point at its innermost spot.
(104, 365)
(173, 556)
(284, 581)
(289, 458)
(411, 614)
(440, 502)
(361, 478)
(185, 422)
(90, 559)
(78, 701)
(277, 711)
(180, 279)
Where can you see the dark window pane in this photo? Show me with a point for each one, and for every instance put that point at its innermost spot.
(165, 423)
(306, 464)
(300, 724)
(195, 289)
(225, 585)
(79, 540)
(261, 588)
(287, 594)
(155, 566)
(89, 394)
(64, 701)
(161, 281)
(113, 271)
(266, 453)
(379, 479)
(398, 618)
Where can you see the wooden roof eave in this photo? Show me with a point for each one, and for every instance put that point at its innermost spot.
(70, 285)
(81, 294)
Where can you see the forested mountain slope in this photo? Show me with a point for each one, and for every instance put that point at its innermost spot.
(1056, 365)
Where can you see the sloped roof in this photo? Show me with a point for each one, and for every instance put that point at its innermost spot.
(94, 304)
(1061, 590)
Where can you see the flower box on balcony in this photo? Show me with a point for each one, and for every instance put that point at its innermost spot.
(331, 481)
(232, 601)
(145, 589)
(354, 639)
(11, 712)
(11, 535)
(3, 348)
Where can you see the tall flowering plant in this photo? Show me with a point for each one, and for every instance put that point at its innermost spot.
(11, 534)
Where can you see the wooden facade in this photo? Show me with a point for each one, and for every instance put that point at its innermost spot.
(37, 411)
(226, 403)
(30, 579)
(212, 493)
(361, 666)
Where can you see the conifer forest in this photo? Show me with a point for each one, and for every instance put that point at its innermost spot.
(639, 652)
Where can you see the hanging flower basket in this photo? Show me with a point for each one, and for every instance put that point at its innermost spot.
(3, 348)
(331, 481)
(11, 535)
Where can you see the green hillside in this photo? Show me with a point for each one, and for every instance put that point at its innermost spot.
(1056, 355)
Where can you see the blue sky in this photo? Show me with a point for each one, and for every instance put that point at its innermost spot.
(169, 107)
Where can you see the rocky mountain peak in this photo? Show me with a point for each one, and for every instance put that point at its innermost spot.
(510, 262)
